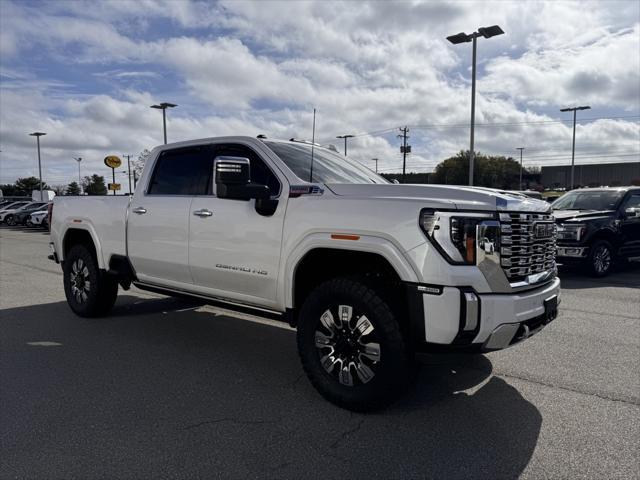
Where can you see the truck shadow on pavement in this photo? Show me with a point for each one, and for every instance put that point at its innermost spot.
(162, 389)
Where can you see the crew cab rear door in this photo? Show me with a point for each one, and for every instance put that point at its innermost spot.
(159, 216)
(234, 251)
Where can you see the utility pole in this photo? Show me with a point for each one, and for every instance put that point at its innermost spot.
(376, 160)
(573, 144)
(345, 142)
(38, 135)
(129, 168)
(404, 149)
(521, 149)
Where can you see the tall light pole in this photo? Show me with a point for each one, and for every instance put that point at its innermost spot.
(376, 160)
(38, 135)
(345, 142)
(163, 106)
(521, 149)
(79, 159)
(573, 145)
(486, 32)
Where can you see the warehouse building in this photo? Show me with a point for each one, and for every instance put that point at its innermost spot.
(593, 175)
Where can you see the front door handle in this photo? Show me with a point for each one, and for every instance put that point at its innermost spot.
(139, 210)
(203, 213)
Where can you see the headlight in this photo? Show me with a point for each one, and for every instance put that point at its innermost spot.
(571, 231)
(453, 233)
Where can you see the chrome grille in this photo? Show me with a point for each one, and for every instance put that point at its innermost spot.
(522, 252)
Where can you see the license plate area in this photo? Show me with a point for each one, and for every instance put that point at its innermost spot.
(551, 308)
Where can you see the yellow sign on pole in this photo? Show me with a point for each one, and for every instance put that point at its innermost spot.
(112, 161)
(114, 186)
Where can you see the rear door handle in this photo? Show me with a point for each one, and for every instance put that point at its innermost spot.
(139, 210)
(203, 213)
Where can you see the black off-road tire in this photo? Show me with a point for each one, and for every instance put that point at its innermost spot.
(96, 300)
(601, 259)
(395, 368)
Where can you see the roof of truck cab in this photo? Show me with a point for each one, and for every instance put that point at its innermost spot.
(235, 138)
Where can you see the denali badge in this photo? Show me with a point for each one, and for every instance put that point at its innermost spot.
(543, 230)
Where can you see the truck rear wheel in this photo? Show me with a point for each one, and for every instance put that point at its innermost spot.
(351, 346)
(90, 292)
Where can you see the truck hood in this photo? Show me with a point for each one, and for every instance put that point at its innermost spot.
(581, 215)
(443, 196)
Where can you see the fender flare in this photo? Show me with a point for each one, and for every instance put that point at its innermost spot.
(366, 243)
(87, 227)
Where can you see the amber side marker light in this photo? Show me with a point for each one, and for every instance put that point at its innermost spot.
(338, 236)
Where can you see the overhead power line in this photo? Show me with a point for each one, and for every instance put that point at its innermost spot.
(492, 124)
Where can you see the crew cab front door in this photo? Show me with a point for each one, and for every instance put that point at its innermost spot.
(630, 225)
(159, 216)
(234, 251)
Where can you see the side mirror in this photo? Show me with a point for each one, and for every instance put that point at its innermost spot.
(233, 180)
(232, 170)
(632, 212)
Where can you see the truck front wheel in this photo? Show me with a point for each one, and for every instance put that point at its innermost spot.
(90, 292)
(600, 260)
(351, 346)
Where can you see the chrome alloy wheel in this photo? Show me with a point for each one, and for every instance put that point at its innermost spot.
(79, 279)
(347, 344)
(601, 259)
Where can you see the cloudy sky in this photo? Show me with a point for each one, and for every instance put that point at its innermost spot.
(87, 72)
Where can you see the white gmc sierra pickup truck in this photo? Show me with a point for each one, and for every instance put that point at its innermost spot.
(369, 272)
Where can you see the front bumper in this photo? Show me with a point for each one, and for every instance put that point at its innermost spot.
(458, 318)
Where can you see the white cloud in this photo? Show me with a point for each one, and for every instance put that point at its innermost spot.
(260, 67)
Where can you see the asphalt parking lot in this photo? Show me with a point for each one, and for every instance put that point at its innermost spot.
(170, 388)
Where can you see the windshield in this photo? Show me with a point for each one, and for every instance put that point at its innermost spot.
(328, 167)
(16, 205)
(588, 200)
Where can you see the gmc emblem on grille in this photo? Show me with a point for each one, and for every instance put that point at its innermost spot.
(543, 230)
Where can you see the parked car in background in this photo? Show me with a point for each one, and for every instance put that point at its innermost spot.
(598, 227)
(7, 212)
(39, 219)
(21, 215)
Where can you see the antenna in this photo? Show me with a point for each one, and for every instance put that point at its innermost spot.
(313, 142)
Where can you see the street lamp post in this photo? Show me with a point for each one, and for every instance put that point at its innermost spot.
(79, 159)
(345, 142)
(38, 135)
(376, 160)
(163, 106)
(521, 149)
(573, 144)
(486, 32)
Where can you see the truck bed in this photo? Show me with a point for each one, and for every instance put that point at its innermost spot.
(103, 216)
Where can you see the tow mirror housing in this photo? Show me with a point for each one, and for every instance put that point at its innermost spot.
(233, 180)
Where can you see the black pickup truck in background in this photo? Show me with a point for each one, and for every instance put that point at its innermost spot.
(598, 227)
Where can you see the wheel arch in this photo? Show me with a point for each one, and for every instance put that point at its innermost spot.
(82, 235)
(608, 235)
(383, 251)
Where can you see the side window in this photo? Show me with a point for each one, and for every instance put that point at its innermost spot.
(259, 171)
(184, 171)
(632, 202)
